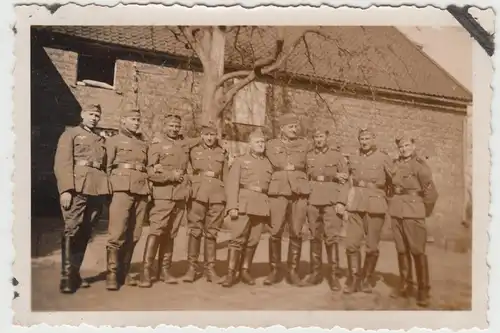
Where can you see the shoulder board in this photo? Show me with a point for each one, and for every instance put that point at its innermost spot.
(420, 160)
(383, 151)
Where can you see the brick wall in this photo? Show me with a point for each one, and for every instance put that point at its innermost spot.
(162, 90)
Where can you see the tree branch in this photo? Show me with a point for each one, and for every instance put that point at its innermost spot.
(189, 33)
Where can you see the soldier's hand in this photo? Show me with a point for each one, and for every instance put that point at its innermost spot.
(340, 208)
(157, 168)
(65, 200)
(345, 216)
(178, 175)
(233, 213)
(342, 177)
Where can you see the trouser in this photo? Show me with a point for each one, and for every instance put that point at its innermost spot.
(79, 221)
(324, 223)
(127, 213)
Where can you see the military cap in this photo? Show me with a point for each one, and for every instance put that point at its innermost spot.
(208, 126)
(404, 137)
(172, 117)
(287, 119)
(258, 133)
(131, 112)
(95, 107)
(365, 130)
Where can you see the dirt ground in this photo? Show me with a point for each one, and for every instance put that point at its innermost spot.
(450, 274)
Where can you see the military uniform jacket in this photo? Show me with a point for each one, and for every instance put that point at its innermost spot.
(171, 155)
(210, 167)
(280, 154)
(247, 185)
(322, 169)
(80, 162)
(126, 163)
(370, 176)
(413, 187)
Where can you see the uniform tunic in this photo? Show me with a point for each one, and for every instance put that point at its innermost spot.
(371, 174)
(246, 188)
(126, 165)
(79, 169)
(414, 196)
(289, 186)
(169, 195)
(208, 197)
(326, 192)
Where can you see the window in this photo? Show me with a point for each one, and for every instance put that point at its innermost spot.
(250, 105)
(96, 68)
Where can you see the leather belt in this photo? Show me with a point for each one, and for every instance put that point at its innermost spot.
(253, 188)
(400, 190)
(362, 183)
(292, 168)
(208, 173)
(130, 166)
(323, 179)
(92, 164)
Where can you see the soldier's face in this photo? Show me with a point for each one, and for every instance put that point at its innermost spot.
(209, 138)
(90, 118)
(406, 148)
(320, 140)
(290, 131)
(132, 124)
(366, 141)
(258, 145)
(173, 129)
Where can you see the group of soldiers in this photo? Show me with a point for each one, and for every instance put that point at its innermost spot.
(279, 182)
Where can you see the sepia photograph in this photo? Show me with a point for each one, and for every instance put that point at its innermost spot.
(251, 167)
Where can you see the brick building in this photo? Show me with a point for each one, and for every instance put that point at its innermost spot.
(357, 76)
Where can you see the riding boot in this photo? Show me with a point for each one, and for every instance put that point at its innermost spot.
(194, 244)
(294, 251)
(368, 270)
(148, 258)
(233, 258)
(245, 275)
(66, 285)
(79, 247)
(165, 255)
(332, 253)
(112, 268)
(127, 278)
(423, 283)
(210, 256)
(352, 284)
(405, 276)
(316, 253)
(274, 261)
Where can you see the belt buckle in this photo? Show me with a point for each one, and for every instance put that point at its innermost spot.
(320, 178)
(290, 167)
(255, 188)
(209, 173)
(398, 190)
(361, 183)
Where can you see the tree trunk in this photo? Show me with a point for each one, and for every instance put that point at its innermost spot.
(213, 71)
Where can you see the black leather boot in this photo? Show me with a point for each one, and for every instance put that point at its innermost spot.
(315, 277)
(405, 277)
(353, 281)
(148, 259)
(368, 270)
(66, 285)
(165, 255)
(332, 254)
(126, 278)
(294, 251)
(423, 282)
(79, 247)
(274, 261)
(194, 244)
(112, 265)
(233, 258)
(210, 256)
(245, 275)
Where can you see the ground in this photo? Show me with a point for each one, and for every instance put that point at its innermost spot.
(450, 273)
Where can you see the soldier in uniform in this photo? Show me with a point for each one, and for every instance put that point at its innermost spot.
(288, 193)
(205, 214)
(414, 197)
(168, 160)
(248, 207)
(370, 173)
(82, 182)
(126, 164)
(327, 172)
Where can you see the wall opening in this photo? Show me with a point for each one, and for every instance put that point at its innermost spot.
(100, 68)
